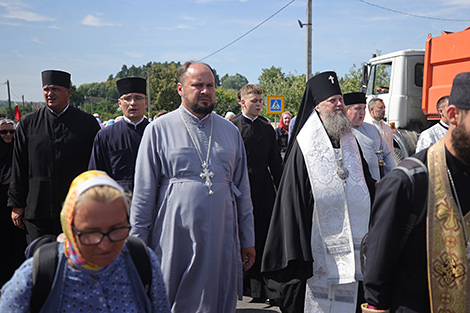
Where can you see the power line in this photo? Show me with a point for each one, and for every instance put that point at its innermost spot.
(15, 95)
(411, 14)
(234, 41)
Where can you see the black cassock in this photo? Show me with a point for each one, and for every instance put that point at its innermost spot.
(13, 238)
(264, 169)
(49, 152)
(115, 151)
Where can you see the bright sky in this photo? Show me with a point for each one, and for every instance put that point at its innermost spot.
(93, 39)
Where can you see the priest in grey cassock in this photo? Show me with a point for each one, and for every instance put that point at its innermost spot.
(374, 148)
(191, 200)
(322, 208)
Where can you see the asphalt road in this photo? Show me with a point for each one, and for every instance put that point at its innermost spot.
(245, 306)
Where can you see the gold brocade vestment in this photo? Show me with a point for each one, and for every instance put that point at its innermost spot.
(447, 261)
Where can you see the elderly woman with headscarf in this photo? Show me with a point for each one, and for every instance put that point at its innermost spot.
(95, 271)
(13, 239)
(282, 132)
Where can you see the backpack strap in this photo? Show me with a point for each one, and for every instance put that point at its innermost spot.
(417, 172)
(141, 258)
(45, 261)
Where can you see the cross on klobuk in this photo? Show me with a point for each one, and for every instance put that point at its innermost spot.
(207, 175)
(332, 79)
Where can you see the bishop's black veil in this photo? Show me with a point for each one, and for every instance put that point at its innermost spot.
(317, 89)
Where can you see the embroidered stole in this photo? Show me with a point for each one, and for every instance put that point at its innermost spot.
(341, 209)
(447, 261)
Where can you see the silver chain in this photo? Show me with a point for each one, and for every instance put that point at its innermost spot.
(206, 173)
(194, 141)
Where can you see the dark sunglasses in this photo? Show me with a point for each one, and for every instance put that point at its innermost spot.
(6, 131)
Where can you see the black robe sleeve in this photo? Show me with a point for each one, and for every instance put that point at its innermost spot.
(20, 169)
(275, 161)
(287, 253)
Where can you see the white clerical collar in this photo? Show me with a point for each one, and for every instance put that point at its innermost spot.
(132, 123)
(251, 119)
(62, 112)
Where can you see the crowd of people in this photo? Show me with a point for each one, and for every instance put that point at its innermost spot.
(192, 211)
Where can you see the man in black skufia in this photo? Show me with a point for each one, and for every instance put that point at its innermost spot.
(115, 147)
(52, 147)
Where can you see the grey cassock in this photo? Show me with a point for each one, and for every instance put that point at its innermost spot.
(371, 141)
(196, 237)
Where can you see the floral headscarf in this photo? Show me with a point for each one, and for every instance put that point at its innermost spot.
(79, 185)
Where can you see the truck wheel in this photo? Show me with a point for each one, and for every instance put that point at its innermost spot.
(398, 155)
(411, 139)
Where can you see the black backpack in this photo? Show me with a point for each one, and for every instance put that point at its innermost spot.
(46, 257)
(417, 172)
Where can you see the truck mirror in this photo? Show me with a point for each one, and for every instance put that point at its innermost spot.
(365, 75)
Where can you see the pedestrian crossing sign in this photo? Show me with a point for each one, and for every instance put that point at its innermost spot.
(275, 104)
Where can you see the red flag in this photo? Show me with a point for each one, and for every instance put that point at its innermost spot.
(17, 114)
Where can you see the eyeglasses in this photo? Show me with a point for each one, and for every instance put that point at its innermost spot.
(95, 237)
(136, 99)
(6, 131)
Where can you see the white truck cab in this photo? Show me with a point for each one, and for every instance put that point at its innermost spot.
(397, 79)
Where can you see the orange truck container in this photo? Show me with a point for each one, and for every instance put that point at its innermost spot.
(444, 57)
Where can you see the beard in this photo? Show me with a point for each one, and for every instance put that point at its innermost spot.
(461, 142)
(336, 126)
(379, 117)
(199, 109)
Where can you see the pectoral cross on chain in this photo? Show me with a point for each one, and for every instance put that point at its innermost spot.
(207, 175)
(332, 79)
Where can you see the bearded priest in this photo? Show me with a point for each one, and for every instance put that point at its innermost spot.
(322, 208)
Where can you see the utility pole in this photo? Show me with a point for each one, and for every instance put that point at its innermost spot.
(308, 72)
(106, 107)
(10, 112)
(309, 40)
(148, 92)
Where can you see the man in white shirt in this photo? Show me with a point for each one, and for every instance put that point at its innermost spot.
(432, 135)
(376, 108)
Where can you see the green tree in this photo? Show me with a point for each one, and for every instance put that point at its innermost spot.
(77, 98)
(276, 83)
(271, 75)
(123, 73)
(351, 82)
(226, 100)
(163, 81)
(235, 82)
